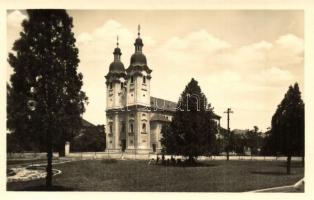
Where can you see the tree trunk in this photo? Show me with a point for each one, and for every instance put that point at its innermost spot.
(289, 164)
(49, 161)
(302, 160)
(227, 153)
(191, 160)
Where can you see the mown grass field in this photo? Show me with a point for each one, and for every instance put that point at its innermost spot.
(127, 175)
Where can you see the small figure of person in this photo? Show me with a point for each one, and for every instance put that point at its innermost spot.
(163, 159)
(157, 159)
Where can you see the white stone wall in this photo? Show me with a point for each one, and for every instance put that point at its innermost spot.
(131, 138)
(115, 96)
(109, 135)
(143, 135)
(138, 93)
(156, 134)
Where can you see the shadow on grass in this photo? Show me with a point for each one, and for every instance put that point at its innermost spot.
(185, 165)
(269, 173)
(294, 165)
(44, 188)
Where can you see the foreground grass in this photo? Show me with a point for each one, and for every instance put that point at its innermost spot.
(27, 161)
(213, 176)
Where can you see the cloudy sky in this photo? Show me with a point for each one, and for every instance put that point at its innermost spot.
(244, 60)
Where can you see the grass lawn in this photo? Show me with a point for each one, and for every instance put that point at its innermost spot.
(26, 161)
(127, 175)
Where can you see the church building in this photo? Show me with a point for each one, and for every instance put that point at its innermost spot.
(134, 117)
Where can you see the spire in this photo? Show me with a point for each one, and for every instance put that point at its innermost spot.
(138, 42)
(117, 51)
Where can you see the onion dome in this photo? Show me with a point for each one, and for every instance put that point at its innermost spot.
(138, 60)
(116, 68)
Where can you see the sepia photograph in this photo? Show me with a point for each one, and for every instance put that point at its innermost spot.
(155, 100)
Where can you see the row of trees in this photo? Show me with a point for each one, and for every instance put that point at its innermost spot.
(193, 130)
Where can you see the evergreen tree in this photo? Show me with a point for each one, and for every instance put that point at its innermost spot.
(287, 131)
(45, 102)
(192, 130)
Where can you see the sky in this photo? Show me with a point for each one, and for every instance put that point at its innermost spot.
(242, 59)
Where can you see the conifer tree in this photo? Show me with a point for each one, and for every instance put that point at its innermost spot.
(45, 102)
(192, 130)
(287, 131)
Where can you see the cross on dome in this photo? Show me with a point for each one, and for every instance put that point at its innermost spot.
(139, 30)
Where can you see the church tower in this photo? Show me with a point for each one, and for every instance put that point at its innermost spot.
(138, 76)
(138, 99)
(116, 95)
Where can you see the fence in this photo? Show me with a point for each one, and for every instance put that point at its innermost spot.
(138, 156)
(107, 155)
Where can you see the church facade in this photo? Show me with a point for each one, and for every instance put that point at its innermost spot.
(134, 117)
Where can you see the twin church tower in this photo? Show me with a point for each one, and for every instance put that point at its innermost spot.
(134, 118)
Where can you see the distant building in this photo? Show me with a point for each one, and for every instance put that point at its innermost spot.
(134, 118)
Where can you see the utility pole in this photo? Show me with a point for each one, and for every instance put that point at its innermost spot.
(228, 127)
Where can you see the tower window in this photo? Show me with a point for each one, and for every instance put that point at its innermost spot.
(110, 85)
(123, 127)
(144, 128)
(121, 85)
(132, 79)
(131, 128)
(110, 128)
(144, 79)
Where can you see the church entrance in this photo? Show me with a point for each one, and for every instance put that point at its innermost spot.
(123, 145)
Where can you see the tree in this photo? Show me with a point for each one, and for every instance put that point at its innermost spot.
(90, 139)
(287, 131)
(254, 140)
(192, 131)
(45, 102)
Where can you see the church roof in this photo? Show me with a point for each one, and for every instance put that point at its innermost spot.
(166, 105)
(86, 123)
(162, 104)
(158, 117)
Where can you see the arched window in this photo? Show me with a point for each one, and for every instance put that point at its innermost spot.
(121, 86)
(144, 79)
(132, 79)
(131, 128)
(144, 128)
